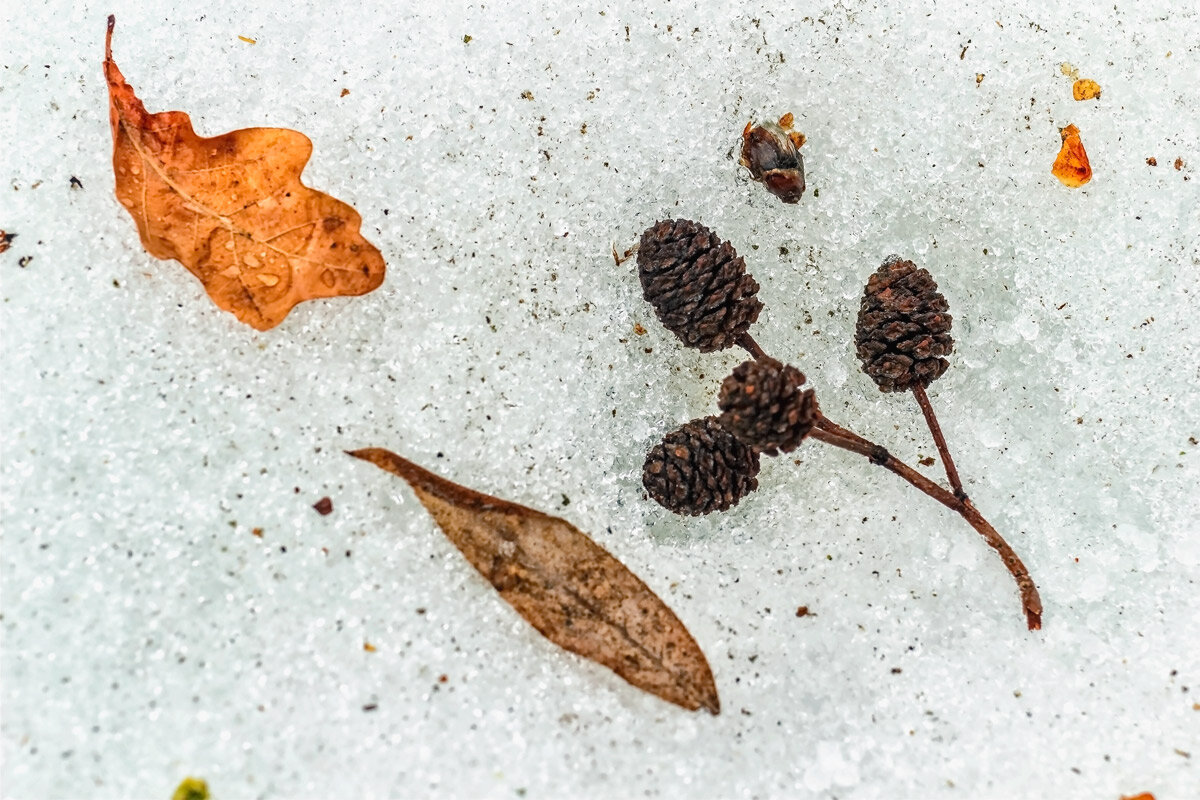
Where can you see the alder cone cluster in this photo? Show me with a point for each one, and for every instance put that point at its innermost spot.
(699, 468)
(763, 405)
(903, 332)
(697, 284)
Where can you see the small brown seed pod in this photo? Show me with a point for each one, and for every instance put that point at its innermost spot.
(764, 405)
(772, 154)
(697, 284)
(903, 330)
(699, 468)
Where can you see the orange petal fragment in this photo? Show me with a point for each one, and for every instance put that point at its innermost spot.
(1072, 167)
(229, 205)
(1084, 89)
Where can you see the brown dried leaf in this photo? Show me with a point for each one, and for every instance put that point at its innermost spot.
(568, 587)
(232, 209)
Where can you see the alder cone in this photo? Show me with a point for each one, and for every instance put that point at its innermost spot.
(903, 332)
(765, 407)
(697, 284)
(700, 468)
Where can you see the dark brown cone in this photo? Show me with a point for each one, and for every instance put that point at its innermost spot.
(903, 329)
(700, 468)
(765, 406)
(697, 284)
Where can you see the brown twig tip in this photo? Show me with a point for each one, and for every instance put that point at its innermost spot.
(832, 433)
(112, 22)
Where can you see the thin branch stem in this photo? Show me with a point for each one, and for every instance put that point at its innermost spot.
(828, 431)
(826, 424)
(938, 439)
(834, 434)
(877, 454)
(747, 342)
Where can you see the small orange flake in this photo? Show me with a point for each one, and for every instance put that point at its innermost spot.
(248, 40)
(1152, 161)
(1084, 89)
(257, 532)
(638, 329)
(1072, 167)
(1178, 164)
(370, 648)
(1142, 796)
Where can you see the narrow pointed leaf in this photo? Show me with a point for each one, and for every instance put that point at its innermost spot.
(232, 209)
(568, 587)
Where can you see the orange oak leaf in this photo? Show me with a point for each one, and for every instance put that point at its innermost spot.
(232, 209)
(572, 590)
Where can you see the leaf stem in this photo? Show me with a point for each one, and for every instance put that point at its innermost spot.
(938, 439)
(831, 433)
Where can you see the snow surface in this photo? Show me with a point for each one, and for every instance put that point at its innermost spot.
(149, 635)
